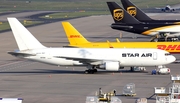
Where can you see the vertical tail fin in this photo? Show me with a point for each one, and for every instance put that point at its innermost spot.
(120, 15)
(24, 39)
(133, 10)
(73, 35)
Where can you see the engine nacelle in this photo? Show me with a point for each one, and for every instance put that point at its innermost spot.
(110, 66)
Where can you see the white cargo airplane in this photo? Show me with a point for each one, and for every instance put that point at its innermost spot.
(168, 8)
(110, 59)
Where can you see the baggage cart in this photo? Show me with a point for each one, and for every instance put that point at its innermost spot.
(129, 90)
(141, 100)
(91, 99)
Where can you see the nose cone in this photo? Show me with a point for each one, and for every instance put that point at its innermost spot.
(171, 59)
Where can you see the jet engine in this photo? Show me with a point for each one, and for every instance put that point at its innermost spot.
(172, 10)
(110, 66)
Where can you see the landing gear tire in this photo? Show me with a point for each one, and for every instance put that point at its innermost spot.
(95, 70)
(86, 72)
(132, 69)
(90, 71)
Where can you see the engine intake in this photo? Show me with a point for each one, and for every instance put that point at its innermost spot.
(110, 66)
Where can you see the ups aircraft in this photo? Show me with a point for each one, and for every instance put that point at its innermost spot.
(136, 12)
(125, 22)
(77, 40)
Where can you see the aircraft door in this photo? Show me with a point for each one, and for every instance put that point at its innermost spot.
(154, 56)
(49, 55)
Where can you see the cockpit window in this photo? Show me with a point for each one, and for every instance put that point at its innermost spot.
(166, 54)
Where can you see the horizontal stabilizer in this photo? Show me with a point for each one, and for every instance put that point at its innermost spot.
(70, 47)
(117, 40)
(122, 26)
(110, 46)
(21, 54)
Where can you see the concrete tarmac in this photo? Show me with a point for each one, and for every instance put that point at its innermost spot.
(42, 83)
(23, 15)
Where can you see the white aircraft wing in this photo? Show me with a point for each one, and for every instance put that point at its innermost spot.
(87, 60)
(159, 8)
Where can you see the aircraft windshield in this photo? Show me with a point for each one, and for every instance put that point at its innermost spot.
(166, 54)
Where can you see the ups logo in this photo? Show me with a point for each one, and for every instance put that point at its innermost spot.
(132, 10)
(118, 14)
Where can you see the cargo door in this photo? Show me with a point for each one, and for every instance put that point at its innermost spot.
(154, 56)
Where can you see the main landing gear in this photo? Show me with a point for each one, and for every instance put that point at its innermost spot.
(91, 70)
(162, 37)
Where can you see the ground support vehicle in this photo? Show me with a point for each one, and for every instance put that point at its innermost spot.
(101, 97)
(171, 96)
(161, 70)
(96, 99)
